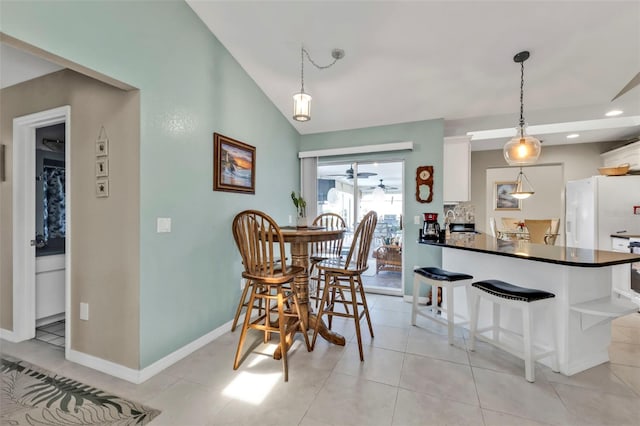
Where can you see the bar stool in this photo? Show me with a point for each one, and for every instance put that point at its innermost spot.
(436, 277)
(504, 294)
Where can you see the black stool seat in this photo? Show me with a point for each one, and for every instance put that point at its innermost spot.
(513, 292)
(441, 275)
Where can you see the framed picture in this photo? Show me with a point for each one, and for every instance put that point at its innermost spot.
(102, 188)
(102, 147)
(102, 167)
(234, 165)
(503, 198)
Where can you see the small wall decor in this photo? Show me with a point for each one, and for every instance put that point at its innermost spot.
(102, 188)
(102, 167)
(102, 164)
(234, 165)
(424, 184)
(503, 200)
(102, 147)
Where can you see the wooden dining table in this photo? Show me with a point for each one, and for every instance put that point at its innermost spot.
(299, 239)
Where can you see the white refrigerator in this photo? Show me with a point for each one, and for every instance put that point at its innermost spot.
(599, 206)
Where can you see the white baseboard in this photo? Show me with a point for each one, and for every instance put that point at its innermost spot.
(104, 366)
(153, 369)
(8, 335)
(139, 376)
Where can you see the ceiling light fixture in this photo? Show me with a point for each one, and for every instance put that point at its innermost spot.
(573, 136)
(613, 113)
(302, 100)
(522, 149)
(522, 191)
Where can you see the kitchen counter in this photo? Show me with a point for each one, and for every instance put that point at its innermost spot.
(523, 249)
(587, 285)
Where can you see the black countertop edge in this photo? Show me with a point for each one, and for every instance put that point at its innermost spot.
(585, 258)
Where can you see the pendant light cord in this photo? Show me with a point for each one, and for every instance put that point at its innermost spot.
(522, 99)
(320, 67)
(302, 68)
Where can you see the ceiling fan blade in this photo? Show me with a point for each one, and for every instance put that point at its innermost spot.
(630, 85)
(366, 174)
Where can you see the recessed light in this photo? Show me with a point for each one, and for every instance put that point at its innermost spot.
(614, 112)
(573, 136)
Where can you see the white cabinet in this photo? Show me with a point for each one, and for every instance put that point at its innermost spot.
(457, 169)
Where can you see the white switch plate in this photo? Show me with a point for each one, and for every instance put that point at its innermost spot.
(416, 220)
(84, 311)
(164, 224)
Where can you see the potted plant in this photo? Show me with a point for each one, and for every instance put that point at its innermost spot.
(301, 207)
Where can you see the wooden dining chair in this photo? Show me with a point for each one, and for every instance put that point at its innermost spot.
(343, 276)
(553, 232)
(261, 245)
(538, 229)
(324, 250)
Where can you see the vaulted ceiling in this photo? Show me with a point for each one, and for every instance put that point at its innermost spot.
(420, 60)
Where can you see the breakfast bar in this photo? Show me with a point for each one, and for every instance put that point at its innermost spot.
(583, 281)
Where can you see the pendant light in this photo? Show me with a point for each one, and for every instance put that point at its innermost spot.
(522, 191)
(522, 149)
(302, 100)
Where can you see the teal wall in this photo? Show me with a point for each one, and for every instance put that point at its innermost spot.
(427, 138)
(190, 87)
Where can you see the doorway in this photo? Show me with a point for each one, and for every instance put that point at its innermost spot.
(353, 188)
(41, 212)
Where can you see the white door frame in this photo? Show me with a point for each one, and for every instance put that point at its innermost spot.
(24, 254)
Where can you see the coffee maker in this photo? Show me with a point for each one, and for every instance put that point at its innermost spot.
(430, 227)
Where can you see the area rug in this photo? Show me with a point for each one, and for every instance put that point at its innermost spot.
(31, 395)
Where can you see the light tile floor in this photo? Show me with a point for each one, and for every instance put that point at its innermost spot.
(410, 376)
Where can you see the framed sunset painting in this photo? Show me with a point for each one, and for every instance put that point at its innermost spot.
(234, 165)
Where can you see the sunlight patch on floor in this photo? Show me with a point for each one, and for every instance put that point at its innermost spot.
(251, 387)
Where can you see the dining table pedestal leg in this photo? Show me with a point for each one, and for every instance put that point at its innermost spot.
(300, 257)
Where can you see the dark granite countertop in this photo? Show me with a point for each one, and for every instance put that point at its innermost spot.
(522, 249)
(625, 235)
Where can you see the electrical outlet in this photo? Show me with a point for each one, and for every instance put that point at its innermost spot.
(242, 284)
(416, 220)
(290, 219)
(84, 311)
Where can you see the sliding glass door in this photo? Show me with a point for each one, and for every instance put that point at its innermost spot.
(351, 189)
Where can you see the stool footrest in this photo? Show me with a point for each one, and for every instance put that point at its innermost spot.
(430, 313)
(542, 352)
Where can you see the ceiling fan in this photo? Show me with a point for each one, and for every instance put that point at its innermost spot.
(350, 172)
(635, 81)
(383, 186)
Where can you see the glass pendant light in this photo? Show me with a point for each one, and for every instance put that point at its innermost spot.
(302, 100)
(522, 191)
(522, 149)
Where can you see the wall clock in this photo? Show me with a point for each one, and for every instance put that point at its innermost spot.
(424, 184)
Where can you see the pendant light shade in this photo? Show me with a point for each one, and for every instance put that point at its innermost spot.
(522, 149)
(523, 187)
(301, 107)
